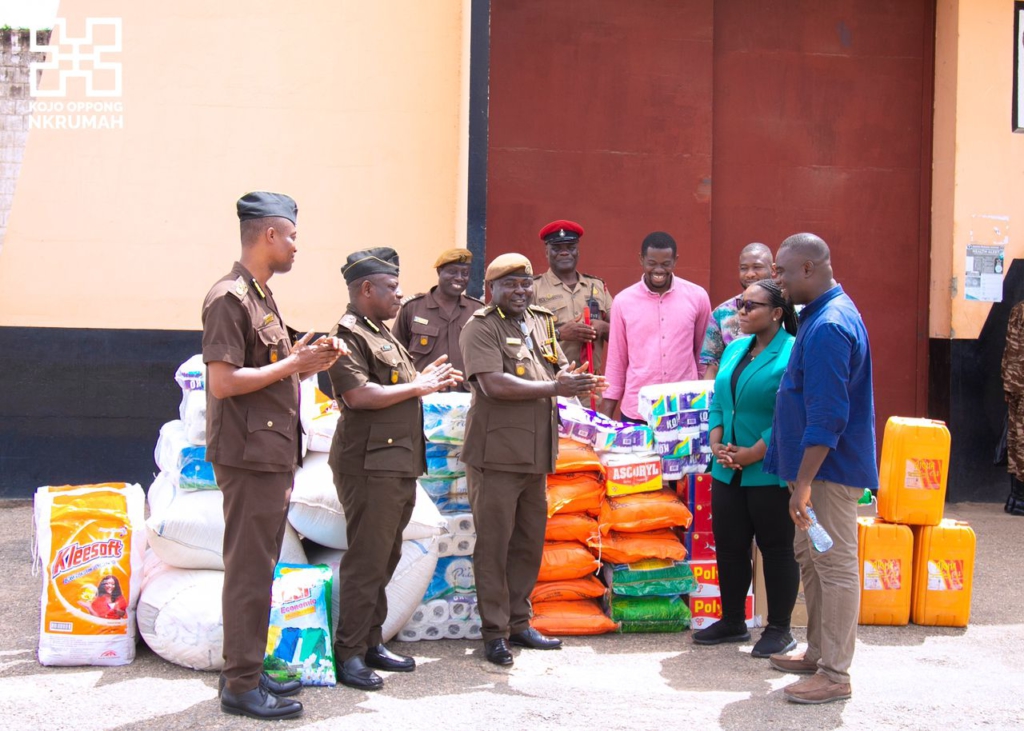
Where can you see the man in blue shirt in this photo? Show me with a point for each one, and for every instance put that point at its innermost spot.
(823, 445)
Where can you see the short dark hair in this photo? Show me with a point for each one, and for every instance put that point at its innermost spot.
(252, 228)
(789, 320)
(658, 240)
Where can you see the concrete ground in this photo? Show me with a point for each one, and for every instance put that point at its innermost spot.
(903, 677)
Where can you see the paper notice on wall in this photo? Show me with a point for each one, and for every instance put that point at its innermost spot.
(985, 264)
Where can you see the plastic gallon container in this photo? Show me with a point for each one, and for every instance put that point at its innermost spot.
(885, 552)
(912, 475)
(943, 574)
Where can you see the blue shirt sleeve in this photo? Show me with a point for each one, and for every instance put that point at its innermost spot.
(827, 356)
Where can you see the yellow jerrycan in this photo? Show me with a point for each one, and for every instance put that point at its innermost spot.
(885, 552)
(913, 472)
(943, 574)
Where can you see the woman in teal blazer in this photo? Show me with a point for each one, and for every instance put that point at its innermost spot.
(747, 503)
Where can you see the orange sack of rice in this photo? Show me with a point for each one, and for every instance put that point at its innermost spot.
(566, 560)
(582, 617)
(644, 511)
(576, 457)
(587, 587)
(632, 547)
(570, 527)
(574, 492)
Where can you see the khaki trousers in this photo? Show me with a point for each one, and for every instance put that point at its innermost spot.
(831, 580)
(377, 509)
(510, 510)
(255, 516)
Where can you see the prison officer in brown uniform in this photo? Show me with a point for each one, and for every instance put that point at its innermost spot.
(567, 292)
(429, 325)
(253, 440)
(516, 369)
(376, 456)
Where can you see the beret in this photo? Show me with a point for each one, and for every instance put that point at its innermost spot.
(507, 264)
(561, 232)
(454, 256)
(363, 263)
(261, 204)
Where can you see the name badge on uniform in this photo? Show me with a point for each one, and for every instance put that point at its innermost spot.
(423, 340)
(420, 320)
(394, 375)
(268, 319)
(385, 347)
(520, 369)
(273, 355)
(513, 341)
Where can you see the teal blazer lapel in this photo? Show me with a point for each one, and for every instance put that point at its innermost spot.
(764, 358)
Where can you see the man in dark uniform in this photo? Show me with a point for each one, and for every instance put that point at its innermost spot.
(568, 292)
(516, 370)
(254, 440)
(429, 325)
(376, 456)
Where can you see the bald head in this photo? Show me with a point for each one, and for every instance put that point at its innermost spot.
(807, 246)
(755, 264)
(804, 268)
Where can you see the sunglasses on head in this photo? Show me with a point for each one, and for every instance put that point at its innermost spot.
(749, 306)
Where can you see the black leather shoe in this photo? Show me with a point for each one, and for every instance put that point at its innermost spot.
(498, 651)
(534, 640)
(381, 658)
(258, 703)
(281, 690)
(355, 674)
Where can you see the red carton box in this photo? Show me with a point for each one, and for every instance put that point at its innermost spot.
(706, 575)
(705, 611)
(701, 517)
(702, 490)
(701, 546)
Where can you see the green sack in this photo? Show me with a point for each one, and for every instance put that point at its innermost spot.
(649, 609)
(652, 577)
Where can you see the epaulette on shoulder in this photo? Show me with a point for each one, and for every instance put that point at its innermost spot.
(484, 311)
(239, 288)
(537, 276)
(541, 310)
(593, 276)
(473, 299)
(412, 297)
(347, 321)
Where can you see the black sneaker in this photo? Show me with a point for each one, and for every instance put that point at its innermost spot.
(774, 641)
(721, 632)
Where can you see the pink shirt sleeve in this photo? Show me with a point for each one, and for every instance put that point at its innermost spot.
(618, 354)
(700, 327)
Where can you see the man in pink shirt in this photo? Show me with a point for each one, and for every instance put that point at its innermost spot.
(657, 329)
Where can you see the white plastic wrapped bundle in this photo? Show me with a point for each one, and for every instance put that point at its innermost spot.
(455, 617)
(678, 414)
(444, 417)
(316, 511)
(179, 614)
(191, 377)
(184, 461)
(194, 417)
(407, 585)
(186, 528)
(445, 460)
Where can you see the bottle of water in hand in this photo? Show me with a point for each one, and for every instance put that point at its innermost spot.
(820, 538)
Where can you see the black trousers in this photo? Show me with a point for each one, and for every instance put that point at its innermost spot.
(738, 516)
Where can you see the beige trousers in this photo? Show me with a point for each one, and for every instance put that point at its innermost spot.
(831, 580)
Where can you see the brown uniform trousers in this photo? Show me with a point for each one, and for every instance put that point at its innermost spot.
(510, 448)
(253, 443)
(375, 458)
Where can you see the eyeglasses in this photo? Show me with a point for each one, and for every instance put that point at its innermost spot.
(749, 306)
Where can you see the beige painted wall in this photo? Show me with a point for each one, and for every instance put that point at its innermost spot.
(357, 109)
(978, 174)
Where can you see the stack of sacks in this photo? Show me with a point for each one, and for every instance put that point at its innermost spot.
(644, 560)
(191, 377)
(566, 598)
(678, 414)
(448, 609)
(319, 414)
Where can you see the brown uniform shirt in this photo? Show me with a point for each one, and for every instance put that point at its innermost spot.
(386, 442)
(428, 331)
(242, 326)
(511, 436)
(567, 303)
